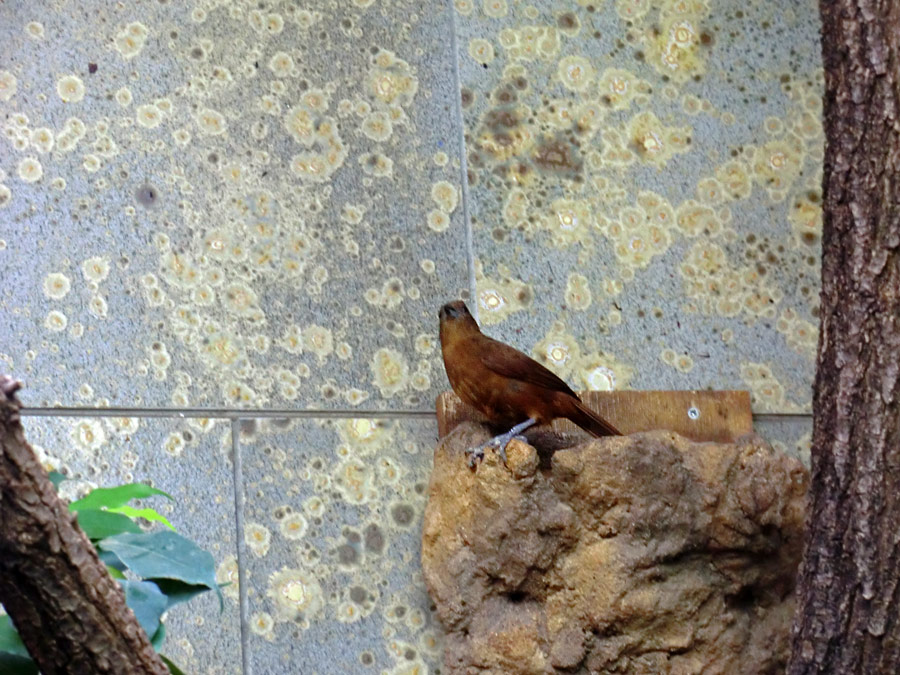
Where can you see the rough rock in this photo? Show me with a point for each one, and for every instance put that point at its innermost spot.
(640, 554)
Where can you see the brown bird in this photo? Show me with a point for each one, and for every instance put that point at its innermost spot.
(505, 385)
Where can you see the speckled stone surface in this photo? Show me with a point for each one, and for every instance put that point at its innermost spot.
(644, 189)
(792, 435)
(189, 459)
(332, 528)
(260, 206)
(224, 204)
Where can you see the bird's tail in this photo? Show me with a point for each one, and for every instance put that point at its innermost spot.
(590, 421)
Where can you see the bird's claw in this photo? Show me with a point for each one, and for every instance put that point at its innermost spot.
(498, 443)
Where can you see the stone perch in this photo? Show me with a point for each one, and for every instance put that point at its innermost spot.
(646, 553)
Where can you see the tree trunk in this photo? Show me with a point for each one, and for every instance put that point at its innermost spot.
(847, 618)
(69, 612)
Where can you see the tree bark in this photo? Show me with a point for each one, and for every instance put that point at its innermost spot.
(847, 618)
(69, 611)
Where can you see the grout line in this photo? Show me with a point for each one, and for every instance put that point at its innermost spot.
(238, 478)
(227, 413)
(463, 161)
(783, 415)
(240, 413)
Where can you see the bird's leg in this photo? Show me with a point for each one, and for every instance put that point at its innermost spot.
(500, 442)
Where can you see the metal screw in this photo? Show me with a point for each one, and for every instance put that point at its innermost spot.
(693, 413)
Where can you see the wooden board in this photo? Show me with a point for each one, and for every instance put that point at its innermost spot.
(721, 416)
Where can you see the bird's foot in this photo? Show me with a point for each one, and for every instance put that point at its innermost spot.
(498, 443)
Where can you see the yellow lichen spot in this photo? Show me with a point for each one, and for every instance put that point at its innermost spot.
(437, 220)
(173, 445)
(710, 191)
(578, 292)
(618, 88)
(576, 73)
(294, 526)
(124, 97)
(181, 137)
(377, 126)
(655, 143)
(559, 350)
(70, 88)
(802, 336)
(88, 435)
(292, 340)
(390, 371)
(684, 363)
(805, 217)
(777, 164)
(377, 164)
(42, 140)
(261, 624)
(735, 177)
(392, 80)
(481, 50)
(496, 9)
(91, 163)
(30, 170)
(274, 24)
(34, 30)
(515, 208)
(211, 122)
(631, 10)
(773, 126)
(56, 321)
(240, 299)
(445, 195)
(464, 7)
(354, 479)
(281, 64)
(130, 40)
(98, 307)
(347, 612)
(95, 269)
(295, 593)
(675, 51)
(5, 195)
(694, 219)
(258, 538)
(569, 222)
(318, 340)
(599, 371)
(766, 392)
(8, 85)
(498, 298)
(56, 285)
(149, 116)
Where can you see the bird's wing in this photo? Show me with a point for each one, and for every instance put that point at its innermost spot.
(510, 362)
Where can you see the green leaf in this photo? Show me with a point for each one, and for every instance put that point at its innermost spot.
(99, 524)
(114, 573)
(163, 555)
(56, 478)
(148, 514)
(146, 601)
(10, 641)
(177, 592)
(175, 670)
(159, 636)
(110, 559)
(115, 496)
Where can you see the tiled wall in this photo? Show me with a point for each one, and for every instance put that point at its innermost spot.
(226, 229)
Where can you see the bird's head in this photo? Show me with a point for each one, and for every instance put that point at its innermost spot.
(454, 310)
(456, 315)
